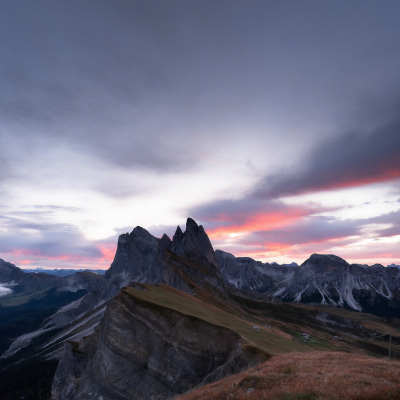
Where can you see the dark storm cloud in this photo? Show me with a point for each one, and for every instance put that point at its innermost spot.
(226, 211)
(119, 81)
(368, 154)
(146, 84)
(77, 79)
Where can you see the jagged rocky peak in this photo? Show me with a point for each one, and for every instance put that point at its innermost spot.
(328, 261)
(136, 252)
(193, 243)
(141, 257)
(178, 235)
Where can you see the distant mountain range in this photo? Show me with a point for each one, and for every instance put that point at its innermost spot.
(324, 279)
(170, 315)
(62, 271)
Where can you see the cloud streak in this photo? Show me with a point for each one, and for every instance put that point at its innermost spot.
(362, 157)
(226, 217)
(43, 242)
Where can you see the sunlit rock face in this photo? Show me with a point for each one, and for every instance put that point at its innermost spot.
(325, 279)
(144, 351)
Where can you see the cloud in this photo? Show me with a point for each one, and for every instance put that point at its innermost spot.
(392, 219)
(89, 87)
(4, 290)
(32, 238)
(368, 154)
(322, 229)
(224, 217)
(315, 229)
(147, 85)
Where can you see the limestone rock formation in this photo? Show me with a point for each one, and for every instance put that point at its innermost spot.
(134, 259)
(325, 279)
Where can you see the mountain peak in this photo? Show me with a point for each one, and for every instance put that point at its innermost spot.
(135, 254)
(178, 235)
(139, 231)
(325, 260)
(191, 224)
(194, 243)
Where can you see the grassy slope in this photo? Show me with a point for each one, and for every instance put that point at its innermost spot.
(309, 376)
(280, 326)
(270, 341)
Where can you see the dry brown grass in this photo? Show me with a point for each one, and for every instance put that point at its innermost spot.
(309, 376)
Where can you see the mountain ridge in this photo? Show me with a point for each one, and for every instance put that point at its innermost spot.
(241, 291)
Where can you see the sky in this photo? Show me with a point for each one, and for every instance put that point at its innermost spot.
(274, 124)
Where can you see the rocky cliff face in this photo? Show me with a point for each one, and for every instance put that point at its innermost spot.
(135, 259)
(144, 351)
(325, 279)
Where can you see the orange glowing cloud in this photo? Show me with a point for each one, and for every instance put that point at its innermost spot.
(239, 225)
(266, 251)
(108, 253)
(32, 257)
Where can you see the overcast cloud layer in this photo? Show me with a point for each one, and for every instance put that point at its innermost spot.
(273, 123)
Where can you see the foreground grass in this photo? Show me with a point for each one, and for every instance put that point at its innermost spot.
(309, 376)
